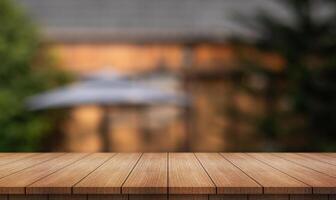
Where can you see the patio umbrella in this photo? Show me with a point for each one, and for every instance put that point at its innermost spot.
(105, 89)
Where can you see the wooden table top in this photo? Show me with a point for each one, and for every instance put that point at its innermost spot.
(168, 173)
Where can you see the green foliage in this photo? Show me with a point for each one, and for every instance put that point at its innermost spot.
(25, 69)
(301, 98)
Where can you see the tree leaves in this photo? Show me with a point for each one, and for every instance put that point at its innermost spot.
(21, 130)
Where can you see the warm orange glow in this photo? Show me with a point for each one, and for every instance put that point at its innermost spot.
(83, 58)
(208, 55)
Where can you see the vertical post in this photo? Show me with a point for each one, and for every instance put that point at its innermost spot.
(104, 129)
(142, 126)
(188, 62)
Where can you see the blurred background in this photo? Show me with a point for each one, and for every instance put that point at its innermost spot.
(158, 75)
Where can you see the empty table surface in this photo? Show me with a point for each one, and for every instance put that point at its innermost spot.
(167, 174)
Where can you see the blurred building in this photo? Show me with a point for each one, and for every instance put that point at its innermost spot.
(174, 44)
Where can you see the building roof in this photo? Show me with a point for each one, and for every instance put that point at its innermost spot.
(143, 19)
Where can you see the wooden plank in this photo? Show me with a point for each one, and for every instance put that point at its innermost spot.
(67, 197)
(16, 183)
(273, 181)
(109, 177)
(330, 154)
(228, 197)
(149, 175)
(268, 197)
(321, 157)
(321, 183)
(25, 163)
(188, 197)
(61, 182)
(228, 178)
(108, 197)
(187, 176)
(319, 166)
(12, 157)
(30, 197)
(147, 197)
(193, 176)
(309, 197)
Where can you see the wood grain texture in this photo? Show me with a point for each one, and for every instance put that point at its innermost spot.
(319, 166)
(157, 175)
(6, 154)
(308, 197)
(149, 175)
(62, 181)
(269, 197)
(228, 178)
(108, 197)
(148, 197)
(321, 157)
(30, 197)
(67, 197)
(321, 183)
(330, 154)
(6, 158)
(13, 167)
(16, 183)
(188, 197)
(109, 177)
(187, 176)
(171, 197)
(273, 180)
(228, 197)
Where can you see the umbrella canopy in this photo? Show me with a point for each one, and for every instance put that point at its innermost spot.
(105, 90)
